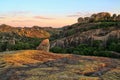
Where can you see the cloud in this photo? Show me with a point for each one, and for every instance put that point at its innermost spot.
(75, 15)
(20, 12)
(2, 17)
(16, 13)
(41, 17)
(79, 14)
(22, 21)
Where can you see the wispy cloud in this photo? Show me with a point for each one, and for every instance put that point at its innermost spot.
(20, 12)
(15, 13)
(79, 14)
(2, 17)
(75, 15)
(42, 17)
(22, 21)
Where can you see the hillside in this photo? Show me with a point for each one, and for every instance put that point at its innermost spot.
(18, 38)
(95, 21)
(99, 35)
(40, 65)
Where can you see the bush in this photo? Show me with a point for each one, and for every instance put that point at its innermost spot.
(24, 43)
(93, 50)
(58, 50)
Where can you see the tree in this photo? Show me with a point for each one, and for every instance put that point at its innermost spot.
(58, 50)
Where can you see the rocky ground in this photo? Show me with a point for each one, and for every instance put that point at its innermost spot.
(51, 66)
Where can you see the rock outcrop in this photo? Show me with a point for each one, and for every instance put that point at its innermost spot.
(44, 45)
(86, 37)
(102, 16)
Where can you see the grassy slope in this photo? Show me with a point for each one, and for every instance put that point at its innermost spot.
(39, 65)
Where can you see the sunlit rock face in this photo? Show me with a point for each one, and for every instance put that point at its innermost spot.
(44, 45)
(98, 17)
(101, 16)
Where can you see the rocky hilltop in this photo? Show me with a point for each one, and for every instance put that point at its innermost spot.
(26, 31)
(102, 16)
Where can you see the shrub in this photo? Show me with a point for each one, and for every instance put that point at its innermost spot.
(58, 50)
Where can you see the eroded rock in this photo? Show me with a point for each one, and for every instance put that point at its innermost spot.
(44, 45)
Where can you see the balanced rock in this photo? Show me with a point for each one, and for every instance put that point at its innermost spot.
(44, 45)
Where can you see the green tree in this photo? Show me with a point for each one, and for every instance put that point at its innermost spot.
(58, 50)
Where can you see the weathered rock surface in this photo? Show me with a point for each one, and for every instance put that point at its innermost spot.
(102, 16)
(87, 37)
(26, 31)
(44, 45)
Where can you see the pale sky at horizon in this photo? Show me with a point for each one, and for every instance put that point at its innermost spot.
(55, 13)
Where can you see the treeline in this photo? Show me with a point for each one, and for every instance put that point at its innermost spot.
(93, 50)
(27, 43)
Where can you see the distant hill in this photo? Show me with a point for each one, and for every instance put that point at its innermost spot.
(17, 38)
(26, 31)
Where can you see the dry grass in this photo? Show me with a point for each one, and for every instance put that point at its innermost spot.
(31, 56)
(112, 75)
(50, 66)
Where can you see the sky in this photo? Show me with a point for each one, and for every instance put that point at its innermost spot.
(54, 13)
